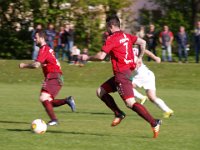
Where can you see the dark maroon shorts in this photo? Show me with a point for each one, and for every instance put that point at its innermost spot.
(52, 84)
(122, 83)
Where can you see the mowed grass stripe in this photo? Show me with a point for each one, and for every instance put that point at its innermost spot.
(89, 128)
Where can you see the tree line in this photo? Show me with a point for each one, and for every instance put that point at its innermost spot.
(87, 16)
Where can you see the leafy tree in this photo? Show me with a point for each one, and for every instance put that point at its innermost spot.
(174, 14)
(179, 12)
(87, 16)
(13, 30)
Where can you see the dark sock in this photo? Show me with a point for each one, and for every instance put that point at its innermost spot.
(58, 102)
(142, 111)
(109, 101)
(49, 109)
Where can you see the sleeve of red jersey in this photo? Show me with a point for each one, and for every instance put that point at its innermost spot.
(171, 34)
(108, 46)
(160, 35)
(41, 55)
(133, 38)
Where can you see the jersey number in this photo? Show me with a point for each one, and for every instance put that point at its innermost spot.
(126, 47)
(57, 62)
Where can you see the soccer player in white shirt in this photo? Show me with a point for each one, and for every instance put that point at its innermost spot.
(143, 77)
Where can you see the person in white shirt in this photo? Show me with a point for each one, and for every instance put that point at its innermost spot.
(75, 54)
(143, 77)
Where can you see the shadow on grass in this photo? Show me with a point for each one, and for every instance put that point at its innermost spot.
(15, 122)
(59, 132)
(90, 113)
(19, 130)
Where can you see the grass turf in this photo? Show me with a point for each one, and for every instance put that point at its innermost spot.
(89, 128)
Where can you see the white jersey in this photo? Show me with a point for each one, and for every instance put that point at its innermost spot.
(143, 76)
(143, 67)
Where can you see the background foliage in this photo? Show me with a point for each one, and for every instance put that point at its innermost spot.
(89, 128)
(174, 14)
(84, 14)
(87, 18)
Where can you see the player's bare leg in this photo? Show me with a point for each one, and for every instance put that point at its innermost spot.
(159, 103)
(110, 103)
(139, 96)
(46, 99)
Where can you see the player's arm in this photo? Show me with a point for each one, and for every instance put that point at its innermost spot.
(151, 55)
(171, 37)
(142, 44)
(99, 56)
(33, 65)
(160, 38)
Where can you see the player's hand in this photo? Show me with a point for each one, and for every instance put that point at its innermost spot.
(89, 58)
(158, 60)
(22, 65)
(139, 62)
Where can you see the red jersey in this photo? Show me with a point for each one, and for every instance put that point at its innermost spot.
(119, 46)
(166, 32)
(48, 60)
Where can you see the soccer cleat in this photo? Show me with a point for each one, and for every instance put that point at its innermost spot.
(70, 101)
(118, 118)
(142, 101)
(168, 114)
(52, 123)
(156, 129)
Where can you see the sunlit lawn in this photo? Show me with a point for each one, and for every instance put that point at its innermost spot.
(89, 128)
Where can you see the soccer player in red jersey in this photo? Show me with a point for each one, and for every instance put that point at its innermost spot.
(119, 46)
(53, 78)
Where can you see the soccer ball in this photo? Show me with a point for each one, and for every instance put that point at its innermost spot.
(38, 126)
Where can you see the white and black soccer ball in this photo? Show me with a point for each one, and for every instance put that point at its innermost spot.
(38, 126)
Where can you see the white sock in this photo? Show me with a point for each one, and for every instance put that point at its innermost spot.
(161, 104)
(138, 95)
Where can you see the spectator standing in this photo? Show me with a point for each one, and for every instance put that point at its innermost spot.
(166, 38)
(50, 33)
(182, 41)
(62, 39)
(151, 38)
(70, 40)
(35, 47)
(197, 41)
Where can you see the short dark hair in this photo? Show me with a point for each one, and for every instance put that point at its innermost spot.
(41, 33)
(113, 20)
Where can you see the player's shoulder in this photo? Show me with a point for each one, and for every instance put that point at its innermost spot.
(171, 33)
(111, 38)
(44, 49)
(118, 35)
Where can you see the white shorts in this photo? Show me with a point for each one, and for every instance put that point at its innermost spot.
(145, 78)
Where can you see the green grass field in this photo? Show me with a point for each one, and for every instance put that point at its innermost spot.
(89, 128)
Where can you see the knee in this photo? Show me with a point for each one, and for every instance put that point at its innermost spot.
(134, 85)
(130, 102)
(151, 95)
(100, 92)
(45, 96)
